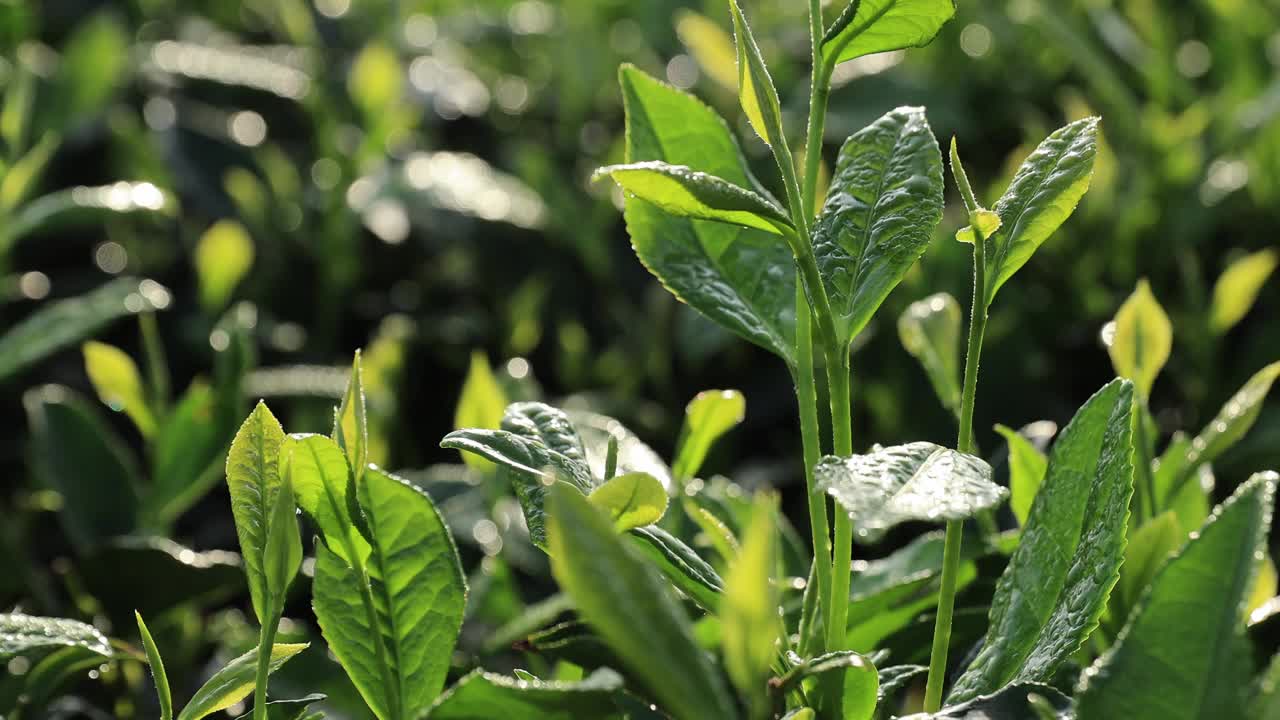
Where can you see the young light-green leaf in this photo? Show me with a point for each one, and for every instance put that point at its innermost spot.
(741, 278)
(1043, 194)
(1055, 587)
(748, 612)
(630, 605)
(234, 682)
(253, 477)
(884, 202)
(282, 555)
(929, 330)
(326, 491)
(631, 500)
(482, 694)
(223, 255)
(416, 587)
(351, 423)
(1149, 546)
(156, 664)
(480, 405)
(1027, 466)
(1238, 286)
(916, 481)
(597, 431)
(21, 634)
(859, 682)
(710, 414)
(872, 26)
(685, 192)
(65, 322)
(1139, 338)
(756, 93)
(1183, 654)
(118, 383)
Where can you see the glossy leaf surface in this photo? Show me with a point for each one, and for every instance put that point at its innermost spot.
(253, 477)
(234, 682)
(21, 634)
(489, 695)
(872, 26)
(685, 192)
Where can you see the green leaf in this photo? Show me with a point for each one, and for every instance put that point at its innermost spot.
(597, 431)
(326, 491)
(1149, 546)
(683, 567)
(988, 224)
(21, 634)
(416, 587)
(481, 694)
(685, 192)
(480, 405)
(1238, 286)
(1055, 587)
(739, 277)
(1265, 703)
(860, 682)
(223, 255)
(916, 481)
(710, 46)
(351, 425)
(537, 444)
(22, 176)
(234, 682)
(88, 206)
(884, 203)
(253, 477)
(112, 573)
(291, 709)
(118, 383)
(1190, 502)
(190, 453)
(157, 670)
(716, 530)
(631, 500)
(749, 605)
(94, 64)
(710, 414)
(1022, 701)
(930, 330)
(1199, 670)
(872, 26)
(1139, 339)
(756, 93)
(67, 437)
(65, 322)
(282, 555)
(376, 81)
(1232, 421)
(1027, 466)
(1044, 192)
(628, 603)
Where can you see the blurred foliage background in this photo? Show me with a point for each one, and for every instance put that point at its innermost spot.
(246, 192)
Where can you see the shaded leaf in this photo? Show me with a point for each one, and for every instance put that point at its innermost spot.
(1149, 546)
(916, 481)
(190, 452)
(634, 455)
(1014, 702)
(1200, 670)
(859, 681)
(929, 329)
(683, 567)
(291, 709)
(1055, 587)
(1027, 466)
(884, 202)
(481, 694)
(87, 205)
(617, 592)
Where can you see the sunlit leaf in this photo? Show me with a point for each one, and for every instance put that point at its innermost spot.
(223, 255)
(1140, 338)
(685, 192)
(710, 414)
(1238, 286)
(872, 26)
(631, 500)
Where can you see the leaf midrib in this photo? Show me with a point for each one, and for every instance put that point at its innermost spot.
(1223, 640)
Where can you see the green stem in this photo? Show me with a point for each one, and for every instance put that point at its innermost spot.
(818, 94)
(157, 366)
(842, 551)
(807, 397)
(964, 443)
(265, 643)
(1150, 506)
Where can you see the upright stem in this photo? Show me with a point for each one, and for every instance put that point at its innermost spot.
(807, 396)
(842, 552)
(1150, 507)
(818, 93)
(964, 443)
(266, 642)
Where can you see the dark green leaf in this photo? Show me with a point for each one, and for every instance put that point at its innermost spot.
(157, 670)
(292, 709)
(487, 695)
(916, 481)
(113, 572)
(234, 682)
(629, 604)
(253, 477)
(684, 192)
(896, 677)
(741, 278)
(1149, 546)
(884, 202)
(416, 587)
(1183, 653)
(1042, 195)
(21, 634)
(189, 456)
(683, 567)
(930, 330)
(872, 26)
(65, 322)
(68, 438)
(1054, 589)
(94, 64)
(1023, 701)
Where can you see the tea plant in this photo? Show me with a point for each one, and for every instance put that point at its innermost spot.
(1120, 592)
